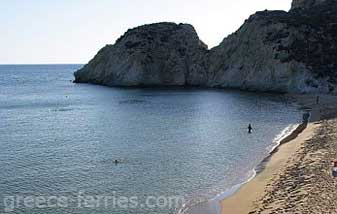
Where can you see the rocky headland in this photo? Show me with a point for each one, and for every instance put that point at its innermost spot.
(294, 51)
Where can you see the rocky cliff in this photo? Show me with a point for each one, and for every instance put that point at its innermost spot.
(305, 4)
(162, 54)
(293, 51)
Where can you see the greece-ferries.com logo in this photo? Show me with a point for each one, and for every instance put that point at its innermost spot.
(13, 203)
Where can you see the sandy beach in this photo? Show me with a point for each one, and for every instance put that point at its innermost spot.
(297, 177)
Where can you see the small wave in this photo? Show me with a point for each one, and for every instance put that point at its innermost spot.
(63, 109)
(285, 132)
(132, 101)
(203, 205)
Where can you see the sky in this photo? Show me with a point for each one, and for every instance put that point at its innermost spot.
(72, 31)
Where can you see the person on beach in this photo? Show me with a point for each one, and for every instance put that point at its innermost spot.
(250, 129)
(317, 100)
(306, 117)
(334, 169)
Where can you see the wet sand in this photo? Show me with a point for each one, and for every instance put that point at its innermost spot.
(297, 177)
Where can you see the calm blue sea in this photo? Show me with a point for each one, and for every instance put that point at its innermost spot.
(59, 140)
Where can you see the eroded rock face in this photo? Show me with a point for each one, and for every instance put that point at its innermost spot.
(162, 54)
(293, 51)
(305, 4)
(281, 51)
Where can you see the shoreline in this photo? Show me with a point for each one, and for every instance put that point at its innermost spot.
(286, 139)
(243, 200)
(213, 206)
(293, 134)
(248, 196)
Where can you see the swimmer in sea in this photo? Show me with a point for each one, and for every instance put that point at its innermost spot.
(250, 128)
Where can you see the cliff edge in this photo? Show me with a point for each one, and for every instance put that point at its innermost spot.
(161, 54)
(279, 51)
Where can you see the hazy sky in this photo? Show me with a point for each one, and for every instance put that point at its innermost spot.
(72, 31)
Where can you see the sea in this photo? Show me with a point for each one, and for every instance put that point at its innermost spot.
(81, 148)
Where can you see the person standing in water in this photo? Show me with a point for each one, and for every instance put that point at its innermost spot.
(250, 129)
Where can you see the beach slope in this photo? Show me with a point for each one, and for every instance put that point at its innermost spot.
(297, 178)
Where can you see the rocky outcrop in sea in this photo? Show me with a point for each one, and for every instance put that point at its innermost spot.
(294, 51)
(162, 54)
